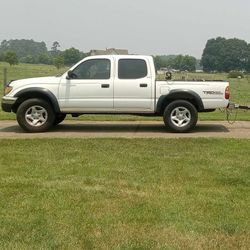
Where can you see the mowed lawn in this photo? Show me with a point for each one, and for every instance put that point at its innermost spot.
(125, 194)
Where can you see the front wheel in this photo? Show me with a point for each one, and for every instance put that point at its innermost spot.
(35, 115)
(180, 116)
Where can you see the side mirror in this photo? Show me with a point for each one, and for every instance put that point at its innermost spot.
(70, 75)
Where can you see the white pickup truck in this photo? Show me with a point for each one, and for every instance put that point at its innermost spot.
(112, 84)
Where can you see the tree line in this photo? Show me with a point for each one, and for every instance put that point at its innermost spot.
(30, 51)
(172, 62)
(219, 55)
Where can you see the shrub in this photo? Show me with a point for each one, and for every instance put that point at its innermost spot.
(235, 74)
(11, 57)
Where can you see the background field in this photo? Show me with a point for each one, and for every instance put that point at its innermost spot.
(124, 194)
(240, 91)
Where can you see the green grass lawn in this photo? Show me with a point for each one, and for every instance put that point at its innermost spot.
(240, 91)
(125, 194)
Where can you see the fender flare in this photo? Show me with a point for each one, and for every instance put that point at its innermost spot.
(179, 94)
(39, 92)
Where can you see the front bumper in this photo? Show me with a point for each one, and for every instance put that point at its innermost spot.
(7, 103)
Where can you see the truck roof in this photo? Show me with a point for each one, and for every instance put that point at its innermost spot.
(119, 56)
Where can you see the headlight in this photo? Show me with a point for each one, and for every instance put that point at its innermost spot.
(7, 90)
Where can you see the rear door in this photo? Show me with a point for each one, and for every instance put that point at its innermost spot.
(133, 85)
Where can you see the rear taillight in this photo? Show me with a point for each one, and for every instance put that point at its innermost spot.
(227, 93)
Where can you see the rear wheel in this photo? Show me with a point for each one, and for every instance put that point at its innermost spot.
(180, 116)
(35, 115)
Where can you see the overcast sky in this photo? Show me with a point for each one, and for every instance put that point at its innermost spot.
(141, 26)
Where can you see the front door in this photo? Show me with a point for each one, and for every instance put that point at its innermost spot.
(90, 87)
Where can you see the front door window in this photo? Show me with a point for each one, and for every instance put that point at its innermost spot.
(93, 69)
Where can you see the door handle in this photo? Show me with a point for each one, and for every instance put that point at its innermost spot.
(143, 85)
(105, 85)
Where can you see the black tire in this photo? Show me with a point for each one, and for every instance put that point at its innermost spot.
(59, 118)
(35, 115)
(180, 116)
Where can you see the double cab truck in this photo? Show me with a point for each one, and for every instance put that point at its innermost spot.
(112, 84)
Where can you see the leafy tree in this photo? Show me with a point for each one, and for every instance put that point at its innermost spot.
(222, 54)
(59, 62)
(188, 63)
(45, 59)
(158, 62)
(1, 56)
(55, 46)
(4, 45)
(71, 56)
(248, 59)
(212, 54)
(29, 59)
(11, 58)
(54, 49)
(164, 61)
(83, 54)
(184, 63)
(198, 64)
(24, 47)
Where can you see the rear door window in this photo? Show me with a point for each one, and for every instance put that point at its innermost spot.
(132, 68)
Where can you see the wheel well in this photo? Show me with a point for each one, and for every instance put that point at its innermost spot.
(167, 101)
(28, 95)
